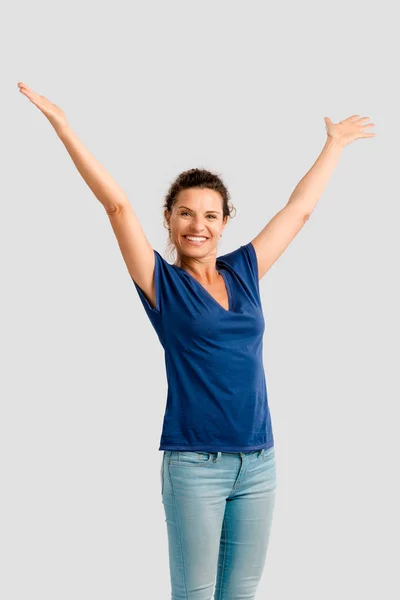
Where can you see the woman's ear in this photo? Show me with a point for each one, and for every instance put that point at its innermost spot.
(166, 218)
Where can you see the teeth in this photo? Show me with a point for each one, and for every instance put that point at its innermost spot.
(195, 239)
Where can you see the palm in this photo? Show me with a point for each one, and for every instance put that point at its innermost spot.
(348, 130)
(53, 112)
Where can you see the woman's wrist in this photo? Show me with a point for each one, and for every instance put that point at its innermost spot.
(60, 128)
(332, 142)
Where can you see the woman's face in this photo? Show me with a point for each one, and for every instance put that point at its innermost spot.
(196, 212)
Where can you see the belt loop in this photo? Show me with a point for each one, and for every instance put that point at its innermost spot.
(217, 457)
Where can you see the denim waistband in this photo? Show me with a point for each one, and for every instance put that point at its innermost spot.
(241, 454)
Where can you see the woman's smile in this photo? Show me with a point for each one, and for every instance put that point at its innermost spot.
(195, 240)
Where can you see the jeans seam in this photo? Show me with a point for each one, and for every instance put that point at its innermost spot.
(221, 581)
(162, 474)
(174, 463)
(180, 537)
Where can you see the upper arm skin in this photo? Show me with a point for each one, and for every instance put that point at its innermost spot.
(276, 236)
(136, 250)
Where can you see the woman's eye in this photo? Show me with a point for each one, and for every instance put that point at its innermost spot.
(186, 213)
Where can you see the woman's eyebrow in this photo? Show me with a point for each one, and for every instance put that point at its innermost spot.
(207, 211)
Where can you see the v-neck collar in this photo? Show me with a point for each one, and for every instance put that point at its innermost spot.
(227, 285)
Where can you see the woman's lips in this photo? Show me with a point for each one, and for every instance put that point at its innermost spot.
(193, 243)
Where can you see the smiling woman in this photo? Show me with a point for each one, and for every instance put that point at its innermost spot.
(218, 475)
(197, 205)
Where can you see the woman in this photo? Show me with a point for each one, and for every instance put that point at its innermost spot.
(218, 475)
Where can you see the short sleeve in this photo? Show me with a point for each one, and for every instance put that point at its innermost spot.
(244, 262)
(148, 307)
(161, 281)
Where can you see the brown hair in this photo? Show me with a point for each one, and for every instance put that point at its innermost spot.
(200, 178)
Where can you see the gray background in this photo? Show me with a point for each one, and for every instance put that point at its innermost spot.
(153, 89)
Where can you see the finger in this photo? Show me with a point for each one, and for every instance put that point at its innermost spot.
(368, 125)
(24, 88)
(352, 118)
(25, 92)
(27, 89)
(28, 92)
(30, 95)
(23, 85)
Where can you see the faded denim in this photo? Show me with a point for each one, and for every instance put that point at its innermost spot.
(218, 508)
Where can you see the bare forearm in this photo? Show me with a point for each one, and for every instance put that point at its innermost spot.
(103, 186)
(309, 189)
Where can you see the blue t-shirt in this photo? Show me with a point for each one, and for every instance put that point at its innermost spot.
(217, 396)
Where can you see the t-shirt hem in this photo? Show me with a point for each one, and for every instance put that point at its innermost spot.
(209, 448)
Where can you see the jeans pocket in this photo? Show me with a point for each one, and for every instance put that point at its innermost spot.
(190, 459)
(269, 454)
(270, 465)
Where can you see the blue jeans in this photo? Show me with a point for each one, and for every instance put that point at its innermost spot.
(218, 508)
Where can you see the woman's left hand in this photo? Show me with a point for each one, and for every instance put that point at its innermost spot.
(348, 130)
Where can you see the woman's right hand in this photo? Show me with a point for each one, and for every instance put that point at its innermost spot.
(53, 112)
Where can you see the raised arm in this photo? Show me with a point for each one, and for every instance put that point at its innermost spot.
(135, 248)
(276, 236)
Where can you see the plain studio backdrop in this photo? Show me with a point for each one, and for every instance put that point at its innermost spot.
(153, 89)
